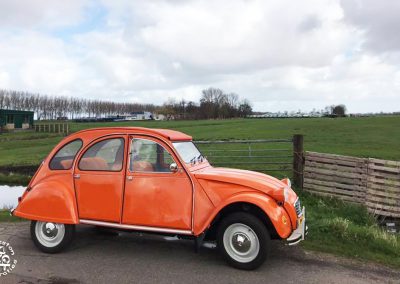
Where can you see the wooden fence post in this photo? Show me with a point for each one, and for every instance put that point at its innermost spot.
(298, 160)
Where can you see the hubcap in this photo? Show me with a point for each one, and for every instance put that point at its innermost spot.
(50, 230)
(49, 234)
(241, 243)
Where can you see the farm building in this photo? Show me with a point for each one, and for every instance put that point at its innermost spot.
(15, 119)
(140, 115)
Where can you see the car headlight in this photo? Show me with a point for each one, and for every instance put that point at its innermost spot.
(286, 189)
(289, 183)
(286, 193)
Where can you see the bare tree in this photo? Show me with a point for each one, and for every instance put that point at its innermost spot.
(214, 103)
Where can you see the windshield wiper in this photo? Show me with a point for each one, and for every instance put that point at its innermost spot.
(193, 160)
(200, 158)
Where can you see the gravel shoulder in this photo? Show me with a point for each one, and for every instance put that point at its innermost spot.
(136, 258)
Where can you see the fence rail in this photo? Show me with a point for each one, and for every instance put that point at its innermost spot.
(52, 128)
(372, 182)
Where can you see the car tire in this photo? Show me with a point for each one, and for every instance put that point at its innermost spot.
(51, 237)
(243, 240)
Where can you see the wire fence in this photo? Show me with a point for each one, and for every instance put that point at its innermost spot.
(274, 156)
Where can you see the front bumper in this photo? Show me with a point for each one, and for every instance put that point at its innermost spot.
(300, 233)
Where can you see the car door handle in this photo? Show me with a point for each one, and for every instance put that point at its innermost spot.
(77, 176)
(129, 178)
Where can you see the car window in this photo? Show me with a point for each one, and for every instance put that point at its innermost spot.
(64, 157)
(106, 155)
(149, 156)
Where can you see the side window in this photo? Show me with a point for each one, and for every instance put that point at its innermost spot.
(106, 155)
(64, 157)
(149, 156)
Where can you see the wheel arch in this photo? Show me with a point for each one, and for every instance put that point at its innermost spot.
(51, 200)
(261, 206)
(241, 207)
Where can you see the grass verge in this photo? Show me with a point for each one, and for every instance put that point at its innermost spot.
(5, 216)
(348, 230)
(14, 179)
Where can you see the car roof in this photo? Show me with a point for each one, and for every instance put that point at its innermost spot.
(171, 135)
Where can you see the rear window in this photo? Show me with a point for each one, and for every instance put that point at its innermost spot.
(64, 157)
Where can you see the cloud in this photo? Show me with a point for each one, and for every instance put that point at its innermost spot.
(40, 13)
(379, 20)
(236, 36)
(34, 62)
(279, 54)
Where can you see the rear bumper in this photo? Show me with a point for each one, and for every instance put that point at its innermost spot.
(300, 233)
(12, 209)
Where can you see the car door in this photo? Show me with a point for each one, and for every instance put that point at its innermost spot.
(99, 178)
(155, 195)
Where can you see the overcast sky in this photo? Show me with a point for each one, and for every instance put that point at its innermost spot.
(281, 55)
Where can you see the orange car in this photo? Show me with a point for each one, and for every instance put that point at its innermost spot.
(156, 180)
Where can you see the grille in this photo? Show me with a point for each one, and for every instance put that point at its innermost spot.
(297, 206)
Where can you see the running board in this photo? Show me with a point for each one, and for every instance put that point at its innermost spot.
(137, 228)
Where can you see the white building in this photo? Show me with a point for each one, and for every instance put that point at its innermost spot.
(140, 115)
(159, 116)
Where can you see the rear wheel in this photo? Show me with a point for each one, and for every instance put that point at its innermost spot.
(243, 240)
(51, 237)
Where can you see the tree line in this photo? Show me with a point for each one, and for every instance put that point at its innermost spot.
(214, 103)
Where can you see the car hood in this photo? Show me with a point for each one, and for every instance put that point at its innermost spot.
(255, 180)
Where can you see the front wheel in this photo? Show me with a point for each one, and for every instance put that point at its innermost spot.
(51, 237)
(243, 240)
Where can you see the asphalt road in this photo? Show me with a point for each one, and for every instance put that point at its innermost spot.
(135, 258)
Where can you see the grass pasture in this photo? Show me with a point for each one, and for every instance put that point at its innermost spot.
(376, 137)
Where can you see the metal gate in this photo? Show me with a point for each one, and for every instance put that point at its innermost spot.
(272, 156)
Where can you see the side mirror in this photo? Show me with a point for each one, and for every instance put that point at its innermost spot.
(173, 167)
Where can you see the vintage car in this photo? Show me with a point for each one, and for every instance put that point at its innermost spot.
(156, 180)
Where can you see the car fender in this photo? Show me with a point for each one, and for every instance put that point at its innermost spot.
(51, 200)
(277, 214)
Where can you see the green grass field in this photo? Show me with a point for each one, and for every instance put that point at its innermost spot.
(335, 227)
(363, 137)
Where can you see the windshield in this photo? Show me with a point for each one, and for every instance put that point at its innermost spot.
(188, 152)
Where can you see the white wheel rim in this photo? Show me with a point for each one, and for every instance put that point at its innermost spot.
(241, 243)
(49, 234)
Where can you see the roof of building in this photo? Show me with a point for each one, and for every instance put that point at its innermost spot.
(13, 111)
(140, 112)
